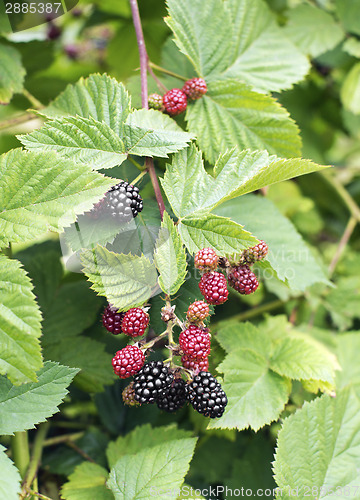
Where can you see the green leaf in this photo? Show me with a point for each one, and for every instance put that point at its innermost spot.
(236, 116)
(349, 13)
(161, 468)
(86, 354)
(125, 280)
(20, 318)
(42, 191)
(352, 47)
(23, 407)
(12, 73)
(10, 478)
(99, 97)
(146, 133)
(170, 257)
(258, 366)
(236, 39)
(318, 447)
(350, 90)
(220, 233)
(201, 33)
(342, 302)
(347, 351)
(302, 357)
(288, 255)
(313, 30)
(256, 395)
(262, 56)
(151, 133)
(190, 189)
(80, 139)
(87, 481)
(142, 437)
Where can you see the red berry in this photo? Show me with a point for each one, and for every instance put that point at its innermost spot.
(213, 287)
(175, 102)
(197, 311)
(195, 88)
(243, 280)
(206, 260)
(195, 342)
(258, 252)
(155, 101)
(135, 322)
(112, 319)
(195, 365)
(128, 361)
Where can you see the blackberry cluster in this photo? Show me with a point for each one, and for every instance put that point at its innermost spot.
(175, 398)
(206, 395)
(153, 381)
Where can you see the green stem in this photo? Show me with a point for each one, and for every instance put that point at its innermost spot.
(35, 457)
(166, 71)
(63, 439)
(17, 120)
(32, 99)
(37, 494)
(344, 195)
(252, 313)
(349, 229)
(137, 165)
(20, 451)
(139, 177)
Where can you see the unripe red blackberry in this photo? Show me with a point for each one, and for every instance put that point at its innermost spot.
(112, 319)
(213, 287)
(175, 102)
(195, 365)
(206, 395)
(195, 88)
(128, 395)
(135, 322)
(128, 361)
(243, 280)
(258, 252)
(206, 260)
(152, 381)
(175, 398)
(155, 101)
(195, 342)
(197, 311)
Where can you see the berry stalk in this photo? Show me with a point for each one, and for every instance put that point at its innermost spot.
(144, 96)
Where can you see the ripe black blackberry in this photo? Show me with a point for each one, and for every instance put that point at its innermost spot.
(206, 395)
(123, 202)
(175, 398)
(152, 381)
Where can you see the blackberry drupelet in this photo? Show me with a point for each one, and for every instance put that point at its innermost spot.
(206, 395)
(175, 398)
(152, 381)
(195, 365)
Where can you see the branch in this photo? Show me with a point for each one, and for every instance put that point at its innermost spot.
(350, 226)
(144, 96)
